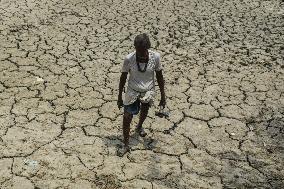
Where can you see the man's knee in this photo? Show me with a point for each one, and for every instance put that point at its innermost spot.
(128, 115)
(145, 107)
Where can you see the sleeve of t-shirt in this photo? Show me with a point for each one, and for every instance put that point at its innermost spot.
(158, 65)
(125, 66)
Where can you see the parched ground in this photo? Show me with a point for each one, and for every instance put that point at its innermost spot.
(223, 66)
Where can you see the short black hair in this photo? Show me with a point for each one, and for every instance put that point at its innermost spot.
(142, 41)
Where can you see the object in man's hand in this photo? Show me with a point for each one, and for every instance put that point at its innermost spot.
(162, 112)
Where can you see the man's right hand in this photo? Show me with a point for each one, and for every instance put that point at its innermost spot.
(119, 102)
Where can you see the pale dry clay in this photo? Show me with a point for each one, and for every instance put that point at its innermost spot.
(223, 66)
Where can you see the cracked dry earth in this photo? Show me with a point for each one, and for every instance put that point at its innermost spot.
(223, 69)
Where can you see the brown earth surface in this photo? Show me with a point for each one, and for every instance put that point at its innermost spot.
(224, 74)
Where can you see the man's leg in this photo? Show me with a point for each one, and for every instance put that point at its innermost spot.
(143, 115)
(127, 118)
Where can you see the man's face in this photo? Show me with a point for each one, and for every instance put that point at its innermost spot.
(142, 54)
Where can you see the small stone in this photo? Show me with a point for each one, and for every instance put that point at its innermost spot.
(39, 79)
(251, 128)
(31, 163)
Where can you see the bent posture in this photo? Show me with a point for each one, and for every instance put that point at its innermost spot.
(141, 65)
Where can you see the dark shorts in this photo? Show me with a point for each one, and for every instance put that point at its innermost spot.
(133, 108)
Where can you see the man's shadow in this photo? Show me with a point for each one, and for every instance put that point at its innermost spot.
(135, 141)
(148, 142)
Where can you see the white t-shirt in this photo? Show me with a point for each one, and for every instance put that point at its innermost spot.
(142, 81)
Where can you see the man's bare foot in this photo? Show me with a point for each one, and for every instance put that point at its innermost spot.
(123, 150)
(140, 131)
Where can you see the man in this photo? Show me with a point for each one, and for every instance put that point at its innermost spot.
(141, 64)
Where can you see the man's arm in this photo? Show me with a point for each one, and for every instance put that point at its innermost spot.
(161, 83)
(122, 82)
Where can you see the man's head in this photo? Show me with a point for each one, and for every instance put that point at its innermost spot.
(142, 44)
(142, 41)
